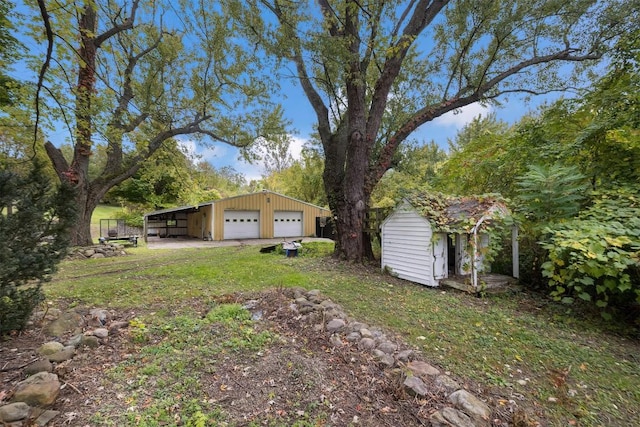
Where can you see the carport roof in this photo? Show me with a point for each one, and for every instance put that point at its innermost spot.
(193, 208)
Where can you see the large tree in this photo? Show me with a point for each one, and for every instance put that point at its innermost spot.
(130, 75)
(375, 71)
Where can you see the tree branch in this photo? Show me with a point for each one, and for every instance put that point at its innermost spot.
(127, 24)
(45, 65)
(423, 14)
(58, 161)
(429, 113)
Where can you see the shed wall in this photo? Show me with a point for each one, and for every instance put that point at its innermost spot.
(407, 247)
(199, 223)
(266, 203)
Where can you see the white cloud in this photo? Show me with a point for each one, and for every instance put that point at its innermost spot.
(221, 155)
(205, 152)
(188, 146)
(461, 117)
(295, 147)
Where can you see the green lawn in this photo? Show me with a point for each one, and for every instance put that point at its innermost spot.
(567, 367)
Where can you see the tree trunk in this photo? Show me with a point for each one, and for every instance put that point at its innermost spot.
(346, 192)
(81, 231)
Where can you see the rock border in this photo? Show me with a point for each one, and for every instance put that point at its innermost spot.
(38, 391)
(416, 376)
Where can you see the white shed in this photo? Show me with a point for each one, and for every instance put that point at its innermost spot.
(429, 238)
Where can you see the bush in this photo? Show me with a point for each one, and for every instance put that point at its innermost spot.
(596, 257)
(133, 217)
(34, 224)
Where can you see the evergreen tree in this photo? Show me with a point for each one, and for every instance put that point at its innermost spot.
(34, 224)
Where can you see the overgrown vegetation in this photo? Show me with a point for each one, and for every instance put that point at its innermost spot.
(596, 256)
(176, 358)
(567, 366)
(34, 223)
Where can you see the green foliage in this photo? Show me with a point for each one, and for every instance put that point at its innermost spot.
(34, 221)
(551, 192)
(596, 257)
(301, 180)
(228, 313)
(9, 47)
(485, 157)
(132, 217)
(415, 169)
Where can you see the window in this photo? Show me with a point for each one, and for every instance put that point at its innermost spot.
(172, 223)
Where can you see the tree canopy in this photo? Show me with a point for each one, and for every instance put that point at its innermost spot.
(139, 74)
(374, 72)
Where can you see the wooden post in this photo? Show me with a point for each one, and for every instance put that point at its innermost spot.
(515, 252)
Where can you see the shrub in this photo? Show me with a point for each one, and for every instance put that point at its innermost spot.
(596, 257)
(34, 224)
(133, 217)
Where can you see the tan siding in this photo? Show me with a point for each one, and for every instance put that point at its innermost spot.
(209, 218)
(207, 212)
(266, 203)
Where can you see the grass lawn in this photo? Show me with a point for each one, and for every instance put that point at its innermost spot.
(568, 368)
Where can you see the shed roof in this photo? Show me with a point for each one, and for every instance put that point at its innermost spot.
(450, 213)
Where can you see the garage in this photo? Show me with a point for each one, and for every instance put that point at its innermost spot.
(241, 224)
(287, 224)
(261, 215)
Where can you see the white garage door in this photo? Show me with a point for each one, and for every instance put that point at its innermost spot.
(287, 224)
(241, 225)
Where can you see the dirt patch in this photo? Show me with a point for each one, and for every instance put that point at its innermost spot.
(298, 378)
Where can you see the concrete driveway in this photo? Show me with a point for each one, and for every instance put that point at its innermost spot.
(192, 242)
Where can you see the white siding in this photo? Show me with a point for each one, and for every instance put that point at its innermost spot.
(407, 248)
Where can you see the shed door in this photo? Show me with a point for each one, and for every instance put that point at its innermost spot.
(287, 224)
(440, 256)
(241, 224)
(463, 254)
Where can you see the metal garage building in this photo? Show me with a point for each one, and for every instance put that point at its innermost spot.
(262, 215)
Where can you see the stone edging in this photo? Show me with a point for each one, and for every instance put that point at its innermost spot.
(466, 409)
(32, 396)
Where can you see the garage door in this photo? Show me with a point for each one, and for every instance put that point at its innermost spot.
(241, 224)
(287, 224)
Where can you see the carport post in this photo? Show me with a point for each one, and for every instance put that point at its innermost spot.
(144, 228)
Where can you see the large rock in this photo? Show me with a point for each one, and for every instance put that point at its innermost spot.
(14, 412)
(65, 354)
(99, 317)
(472, 406)
(50, 347)
(39, 390)
(447, 383)
(415, 386)
(69, 321)
(89, 341)
(38, 366)
(449, 417)
(100, 332)
(387, 346)
(367, 344)
(422, 369)
(45, 417)
(335, 325)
